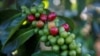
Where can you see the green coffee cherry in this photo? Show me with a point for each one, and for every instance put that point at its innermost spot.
(72, 53)
(33, 10)
(23, 8)
(55, 48)
(43, 38)
(72, 36)
(61, 29)
(64, 47)
(50, 36)
(64, 34)
(34, 23)
(36, 30)
(73, 45)
(60, 41)
(78, 50)
(68, 40)
(53, 40)
(41, 32)
(27, 11)
(64, 53)
(46, 31)
(37, 14)
(40, 9)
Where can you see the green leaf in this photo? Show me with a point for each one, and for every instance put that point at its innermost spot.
(45, 53)
(17, 42)
(6, 14)
(69, 21)
(8, 28)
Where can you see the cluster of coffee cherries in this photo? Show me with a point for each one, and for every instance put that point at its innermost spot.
(57, 37)
(62, 41)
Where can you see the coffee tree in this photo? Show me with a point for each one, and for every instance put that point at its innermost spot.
(30, 25)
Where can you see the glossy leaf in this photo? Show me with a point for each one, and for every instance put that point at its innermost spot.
(21, 39)
(45, 53)
(8, 28)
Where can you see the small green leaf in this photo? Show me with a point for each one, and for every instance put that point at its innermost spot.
(45, 53)
(21, 39)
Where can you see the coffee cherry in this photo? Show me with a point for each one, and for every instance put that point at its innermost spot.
(40, 9)
(43, 17)
(68, 40)
(40, 24)
(78, 50)
(72, 36)
(72, 53)
(43, 38)
(66, 27)
(37, 15)
(51, 16)
(55, 48)
(64, 34)
(73, 45)
(50, 36)
(27, 11)
(34, 23)
(33, 10)
(31, 18)
(53, 40)
(64, 47)
(64, 53)
(61, 29)
(36, 30)
(41, 32)
(60, 41)
(51, 24)
(45, 31)
(54, 31)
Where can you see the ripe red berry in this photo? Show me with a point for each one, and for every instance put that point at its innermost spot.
(54, 31)
(66, 27)
(31, 18)
(51, 16)
(43, 17)
(40, 24)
